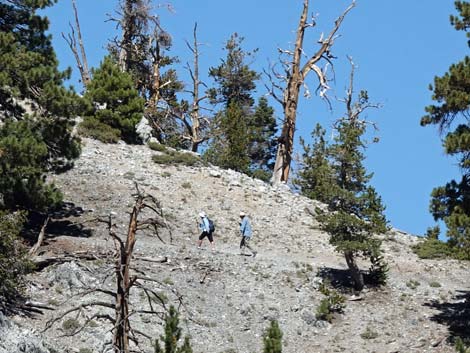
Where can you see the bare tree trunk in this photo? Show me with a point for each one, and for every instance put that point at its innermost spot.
(85, 72)
(128, 29)
(81, 59)
(295, 79)
(195, 129)
(356, 273)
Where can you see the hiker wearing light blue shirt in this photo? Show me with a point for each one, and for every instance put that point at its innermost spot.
(246, 233)
(206, 232)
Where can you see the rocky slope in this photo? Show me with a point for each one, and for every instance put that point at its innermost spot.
(226, 300)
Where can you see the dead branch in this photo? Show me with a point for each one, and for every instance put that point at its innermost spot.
(81, 59)
(41, 262)
(296, 73)
(78, 308)
(34, 249)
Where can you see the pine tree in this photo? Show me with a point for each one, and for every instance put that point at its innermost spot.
(14, 259)
(337, 175)
(273, 338)
(262, 140)
(244, 134)
(315, 175)
(113, 101)
(451, 203)
(143, 52)
(36, 109)
(356, 211)
(172, 336)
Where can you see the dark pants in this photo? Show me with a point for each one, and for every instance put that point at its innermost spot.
(206, 234)
(245, 244)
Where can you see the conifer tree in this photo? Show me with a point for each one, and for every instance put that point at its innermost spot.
(273, 338)
(315, 174)
(262, 140)
(172, 335)
(36, 108)
(355, 211)
(244, 134)
(143, 51)
(451, 92)
(14, 259)
(113, 101)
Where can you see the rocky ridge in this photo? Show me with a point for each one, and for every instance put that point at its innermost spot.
(227, 299)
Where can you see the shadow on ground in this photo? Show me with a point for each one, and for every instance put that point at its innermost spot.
(64, 221)
(341, 279)
(455, 315)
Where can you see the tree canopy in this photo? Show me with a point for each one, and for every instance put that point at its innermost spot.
(451, 92)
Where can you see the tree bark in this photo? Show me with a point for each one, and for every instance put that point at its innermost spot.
(356, 273)
(81, 59)
(295, 79)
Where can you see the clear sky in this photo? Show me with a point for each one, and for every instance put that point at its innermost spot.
(399, 46)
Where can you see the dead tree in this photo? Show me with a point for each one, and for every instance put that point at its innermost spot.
(71, 40)
(195, 124)
(123, 332)
(293, 78)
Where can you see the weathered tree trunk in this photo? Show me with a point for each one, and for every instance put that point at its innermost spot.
(356, 273)
(294, 80)
(81, 59)
(122, 328)
(128, 30)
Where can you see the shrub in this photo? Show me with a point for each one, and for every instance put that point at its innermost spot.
(71, 325)
(157, 146)
(436, 249)
(273, 338)
(460, 346)
(333, 303)
(378, 271)
(174, 158)
(412, 284)
(172, 334)
(435, 284)
(91, 127)
(262, 174)
(369, 334)
(14, 261)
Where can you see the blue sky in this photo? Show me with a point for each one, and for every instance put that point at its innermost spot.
(398, 46)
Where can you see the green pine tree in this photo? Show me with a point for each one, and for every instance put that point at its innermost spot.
(14, 259)
(315, 175)
(273, 338)
(244, 134)
(355, 211)
(451, 203)
(262, 140)
(172, 335)
(113, 103)
(36, 109)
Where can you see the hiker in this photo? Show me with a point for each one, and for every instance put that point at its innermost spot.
(246, 233)
(206, 231)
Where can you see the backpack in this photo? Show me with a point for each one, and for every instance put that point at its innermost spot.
(211, 226)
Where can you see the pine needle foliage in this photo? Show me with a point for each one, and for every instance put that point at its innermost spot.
(35, 136)
(172, 335)
(114, 101)
(273, 338)
(14, 260)
(451, 92)
(335, 174)
(244, 134)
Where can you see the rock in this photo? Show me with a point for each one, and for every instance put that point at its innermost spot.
(144, 130)
(215, 173)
